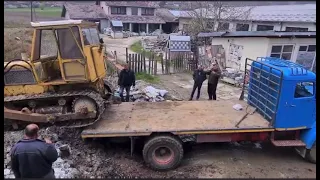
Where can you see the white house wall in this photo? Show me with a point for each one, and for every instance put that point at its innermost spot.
(252, 47)
(297, 42)
(253, 25)
(104, 23)
(67, 15)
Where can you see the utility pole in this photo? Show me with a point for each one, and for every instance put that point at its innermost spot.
(31, 12)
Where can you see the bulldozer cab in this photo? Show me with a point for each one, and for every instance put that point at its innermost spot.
(67, 51)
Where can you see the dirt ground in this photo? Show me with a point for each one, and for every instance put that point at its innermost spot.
(101, 158)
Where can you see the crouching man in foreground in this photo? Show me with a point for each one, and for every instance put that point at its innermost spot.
(32, 157)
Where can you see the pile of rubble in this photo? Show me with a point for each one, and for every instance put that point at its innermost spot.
(151, 44)
(232, 76)
(145, 93)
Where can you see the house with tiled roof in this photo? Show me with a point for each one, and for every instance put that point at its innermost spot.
(301, 17)
(135, 16)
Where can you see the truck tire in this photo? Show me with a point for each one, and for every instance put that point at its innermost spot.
(163, 152)
(311, 154)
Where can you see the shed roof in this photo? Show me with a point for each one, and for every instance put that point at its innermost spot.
(83, 11)
(136, 19)
(147, 4)
(117, 23)
(166, 15)
(278, 34)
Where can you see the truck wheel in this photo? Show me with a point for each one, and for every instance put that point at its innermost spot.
(311, 154)
(163, 153)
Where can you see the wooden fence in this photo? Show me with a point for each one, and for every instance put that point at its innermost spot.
(168, 63)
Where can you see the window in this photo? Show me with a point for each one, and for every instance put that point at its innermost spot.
(242, 27)
(264, 28)
(296, 29)
(134, 11)
(68, 46)
(118, 10)
(282, 51)
(312, 48)
(48, 47)
(304, 89)
(147, 11)
(223, 26)
(90, 36)
(126, 26)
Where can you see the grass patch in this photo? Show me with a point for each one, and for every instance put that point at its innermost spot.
(147, 78)
(46, 12)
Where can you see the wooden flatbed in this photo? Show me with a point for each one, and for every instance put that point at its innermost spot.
(177, 117)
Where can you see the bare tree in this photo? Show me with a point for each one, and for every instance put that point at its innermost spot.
(214, 16)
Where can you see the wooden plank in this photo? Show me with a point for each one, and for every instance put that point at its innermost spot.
(135, 62)
(155, 65)
(144, 63)
(127, 55)
(149, 65)
(194, 115)
(162, 65)
(141, 62)
(130, 61)
(138, 63)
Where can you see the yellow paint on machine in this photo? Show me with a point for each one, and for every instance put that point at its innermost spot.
(24, 89)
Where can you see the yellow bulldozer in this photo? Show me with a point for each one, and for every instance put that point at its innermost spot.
(63, 80)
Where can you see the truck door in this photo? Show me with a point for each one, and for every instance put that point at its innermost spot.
(72, 59)
(303, 105)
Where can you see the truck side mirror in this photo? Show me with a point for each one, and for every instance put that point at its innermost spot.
(101, 41)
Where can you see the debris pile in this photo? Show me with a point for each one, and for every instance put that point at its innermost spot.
(154, 44)
(232, 76)
(145, 93)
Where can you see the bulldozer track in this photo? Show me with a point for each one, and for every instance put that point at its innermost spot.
(100, 102)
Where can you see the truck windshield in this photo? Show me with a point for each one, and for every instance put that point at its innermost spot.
(90, 36)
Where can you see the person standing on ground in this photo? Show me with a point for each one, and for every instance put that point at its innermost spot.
(199, 76)
(126, 79)
(32, 157)
(214, 75)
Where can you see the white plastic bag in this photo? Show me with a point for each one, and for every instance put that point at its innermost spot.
(237, 107)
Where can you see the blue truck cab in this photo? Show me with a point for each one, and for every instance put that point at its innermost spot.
(285, 94)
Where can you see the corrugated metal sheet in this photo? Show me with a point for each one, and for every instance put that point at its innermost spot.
(258, 34)
(117, 23)
(179, 38)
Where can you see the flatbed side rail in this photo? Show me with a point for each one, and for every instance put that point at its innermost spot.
(262, 87)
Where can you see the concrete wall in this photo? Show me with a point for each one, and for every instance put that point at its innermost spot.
(104, 23)
(253, 25)
(67, 16)
(183, 21)
(128, 11)
(252, 47)
(261, 47)
(105, 8)
(296, 42)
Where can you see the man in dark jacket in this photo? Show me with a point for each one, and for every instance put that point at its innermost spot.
(33, 158)
(125, 81)
(214, 75)
(198, 76)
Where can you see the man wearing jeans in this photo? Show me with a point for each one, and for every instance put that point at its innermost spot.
(198, 76)
(125, 81)
(213, 80)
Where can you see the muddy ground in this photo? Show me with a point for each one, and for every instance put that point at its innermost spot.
(101, 159)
